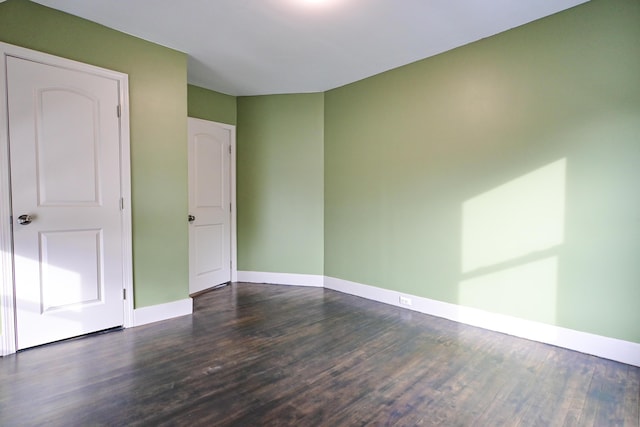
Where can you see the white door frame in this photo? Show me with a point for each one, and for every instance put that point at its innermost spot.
(232, 172)
(7, 299)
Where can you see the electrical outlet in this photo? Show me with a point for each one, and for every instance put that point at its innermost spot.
(405, 300)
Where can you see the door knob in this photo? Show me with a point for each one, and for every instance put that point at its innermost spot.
(25, 219)
(191, 218)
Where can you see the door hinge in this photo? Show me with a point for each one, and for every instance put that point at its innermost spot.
(230, 207)
(121, 203)
(118, 112)
(124, 294)
(229, 149)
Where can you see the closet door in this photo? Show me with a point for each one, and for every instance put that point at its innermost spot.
(66, 201)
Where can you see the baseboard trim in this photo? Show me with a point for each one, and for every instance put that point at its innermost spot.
(597, 345)
(156, 313)
(281, 278)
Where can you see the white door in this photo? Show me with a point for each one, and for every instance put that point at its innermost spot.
(65, 189)
(209, 204)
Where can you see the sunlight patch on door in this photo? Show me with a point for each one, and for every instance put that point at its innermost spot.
(71, 264)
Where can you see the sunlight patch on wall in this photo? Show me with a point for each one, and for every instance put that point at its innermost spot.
(527, 290)
(518, 218)
(510, 237)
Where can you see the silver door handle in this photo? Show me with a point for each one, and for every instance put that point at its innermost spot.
(191, 218)
(25, 219)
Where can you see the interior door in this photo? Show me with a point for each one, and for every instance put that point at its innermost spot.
(66, 201)
(209, 205)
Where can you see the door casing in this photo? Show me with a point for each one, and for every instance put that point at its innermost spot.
(7, 291)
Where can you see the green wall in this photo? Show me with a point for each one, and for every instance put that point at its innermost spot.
(210, 105)
(158, 103)
(502, 175)
(280, 183)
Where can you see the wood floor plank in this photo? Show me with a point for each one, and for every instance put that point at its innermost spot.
(632, 396)
(266, 355)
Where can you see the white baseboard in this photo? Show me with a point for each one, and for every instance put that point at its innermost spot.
(597, 345)
(156, 313)
(281, 278)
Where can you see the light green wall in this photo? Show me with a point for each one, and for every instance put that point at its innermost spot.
(158, 102)
(210, 105)
(412, 163)
(280, 183)
(548, 112)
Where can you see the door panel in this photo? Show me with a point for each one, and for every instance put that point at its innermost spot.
(209, 240)
(209, 167)
(65, 174)
(58, 110)
(73, 258)
(209, 203)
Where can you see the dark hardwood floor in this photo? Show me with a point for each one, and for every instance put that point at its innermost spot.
(265, 355)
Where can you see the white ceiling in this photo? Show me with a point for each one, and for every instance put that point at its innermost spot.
(256, 47)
